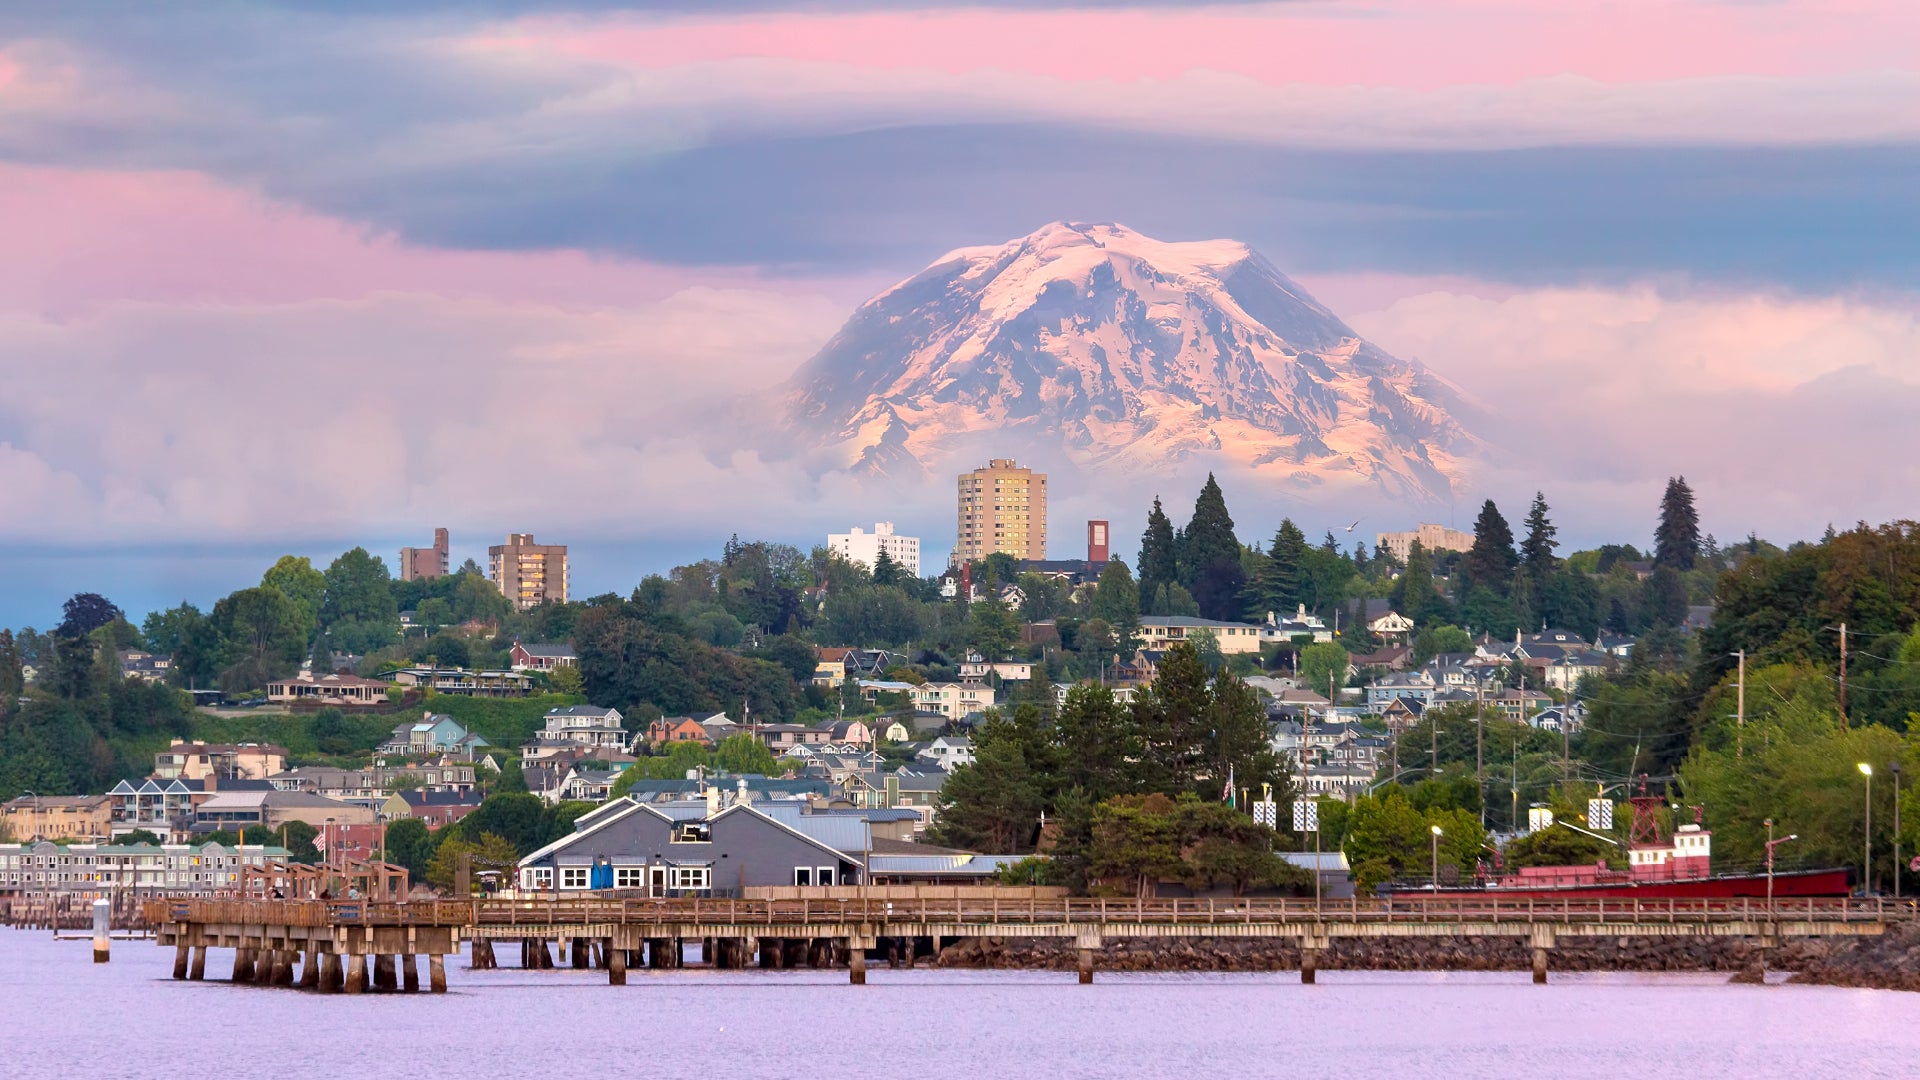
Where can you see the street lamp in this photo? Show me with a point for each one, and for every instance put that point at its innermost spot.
(1771, 844)
(1866, 836)
(1435, 829)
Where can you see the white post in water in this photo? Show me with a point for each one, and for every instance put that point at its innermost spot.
(102, 924)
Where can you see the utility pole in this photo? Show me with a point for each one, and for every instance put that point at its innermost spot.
(1843, 676)
(1740, 706)
(1479, 743)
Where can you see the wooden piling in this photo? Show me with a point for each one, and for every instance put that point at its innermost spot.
(180, 961)
(384, 975)
(243, 964)
(310, 968)
(356, 973)
(410, 973)
(1540, 967)
(616, 967)
(1086, 965)
(199, 972)
(856, 963)
(437, 973)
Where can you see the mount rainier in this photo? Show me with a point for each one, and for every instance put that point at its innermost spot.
(1115, 351)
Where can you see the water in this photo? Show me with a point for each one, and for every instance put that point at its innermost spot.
(65, 1018)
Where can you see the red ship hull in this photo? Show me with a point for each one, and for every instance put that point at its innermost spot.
(1796, 883)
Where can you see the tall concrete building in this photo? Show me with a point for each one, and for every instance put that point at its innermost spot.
(1003, 507)
(1431, 537)
(860, 546)
(527, 573)
(425, 562)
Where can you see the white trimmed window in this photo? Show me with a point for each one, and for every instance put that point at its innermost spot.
(692, 877)
(803, 875)
(573, 877)
(536, 877)
(823, 876)
(629, 877)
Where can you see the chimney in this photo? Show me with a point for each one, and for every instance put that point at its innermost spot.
(713, 800)
(1098, 550)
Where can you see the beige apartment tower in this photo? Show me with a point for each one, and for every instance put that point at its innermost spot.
(1003, 507)
(1431, 538)
(420, 563)
(527, 573)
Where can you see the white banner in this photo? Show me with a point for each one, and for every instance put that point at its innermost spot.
(1306, 815)
(1600, 814)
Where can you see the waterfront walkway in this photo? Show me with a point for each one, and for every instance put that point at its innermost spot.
(355, 945)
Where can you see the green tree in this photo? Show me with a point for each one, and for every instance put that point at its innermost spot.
(433, 613)
(1677, 542)
(1159, 562)
(85, 613)
(13, 679)
(886, 572)
(993, 804)
(263, 638)
(991, 629)
(1413, 592)
(1099, 742)
(1536, 551)
(411, 845)
(1491, 561)
(1323, 663)
(486, 851)
(1435, 640)
(1280, 583)
(1117, 600)
(357, 603)
(301, 583)
(1209, 555)
(166, 631)
(744, 754)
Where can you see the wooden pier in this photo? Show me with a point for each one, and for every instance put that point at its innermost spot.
(354, 946)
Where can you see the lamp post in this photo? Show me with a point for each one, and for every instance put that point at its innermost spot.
(1435, 829)
(1771, 844)
(1866, 835)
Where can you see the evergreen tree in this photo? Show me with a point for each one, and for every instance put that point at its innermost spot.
(1536, 553)
(12, 677)
(1413, 593)
(1283, 571)
(1666, 598)
(1360, 562)
(1677, 543)
(1159, 564)
(321, 661)
(885, 570)
(1209, 555)
(1491, 561)
(1117, 600)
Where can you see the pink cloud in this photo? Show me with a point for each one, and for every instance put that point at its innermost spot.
(1414, 44)
(79, 237)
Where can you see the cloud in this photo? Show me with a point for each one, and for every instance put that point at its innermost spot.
(1785, 413)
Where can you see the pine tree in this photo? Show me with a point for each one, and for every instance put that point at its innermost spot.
(1209, 555)
(1117, 600)
(1159, 566)
(1677, 543)
(885, 570)
(1413, 594)
(1537, 552)
(1491, 561)
(1361, 565)
(1283, 572)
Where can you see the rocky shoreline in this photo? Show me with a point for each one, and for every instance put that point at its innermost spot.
(1890, 962)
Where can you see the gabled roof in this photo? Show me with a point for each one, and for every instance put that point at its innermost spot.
(554, 651)
(748, 808)
(599, 823)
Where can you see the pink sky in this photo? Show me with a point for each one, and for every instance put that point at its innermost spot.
(1419, 45)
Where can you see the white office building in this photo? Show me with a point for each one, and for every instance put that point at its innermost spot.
(860, 546)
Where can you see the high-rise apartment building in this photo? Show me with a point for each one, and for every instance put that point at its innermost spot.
(527, 573)
(1431, 538)
(1003, 507)
(864, 547)
(425, 562)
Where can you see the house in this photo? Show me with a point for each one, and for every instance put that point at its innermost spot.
(541, 658)
(830, 672)
(182, 760)
(578, 726)
(677, 729)
(1342, 779)
(872, 689)
(948, 751)
(915, 787)
(1561, 718)
(587, 785)
(57, 817)
(433, 733)
(146, 667)
(850, 732)
(1392, 657)
(426, 776)
(1298, 629)
(1402, 713)
(976, 668)
(1392, 628)
(337, 689)
(497, 684)
(956, 701)
(1124, 693)
(1520, 704)
(234, 810)
(161, 807)
(1161, 631)
(1413, 684)
(334, 783)
(638, 848)
(718, 728)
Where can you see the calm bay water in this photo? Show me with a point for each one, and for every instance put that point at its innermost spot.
(64, 1018)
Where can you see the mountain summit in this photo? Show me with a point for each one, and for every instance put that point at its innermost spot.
(1118, 351)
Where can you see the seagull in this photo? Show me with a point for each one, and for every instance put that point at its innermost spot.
(1356, 524)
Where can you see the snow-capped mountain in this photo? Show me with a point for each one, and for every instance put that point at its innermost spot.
(1124, 353)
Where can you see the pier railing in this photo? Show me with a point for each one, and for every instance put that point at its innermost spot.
(1028, 911)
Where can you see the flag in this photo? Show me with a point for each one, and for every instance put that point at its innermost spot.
(1227, 795)
(320, 841)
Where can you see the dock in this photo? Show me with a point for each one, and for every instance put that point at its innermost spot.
(354, 946)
